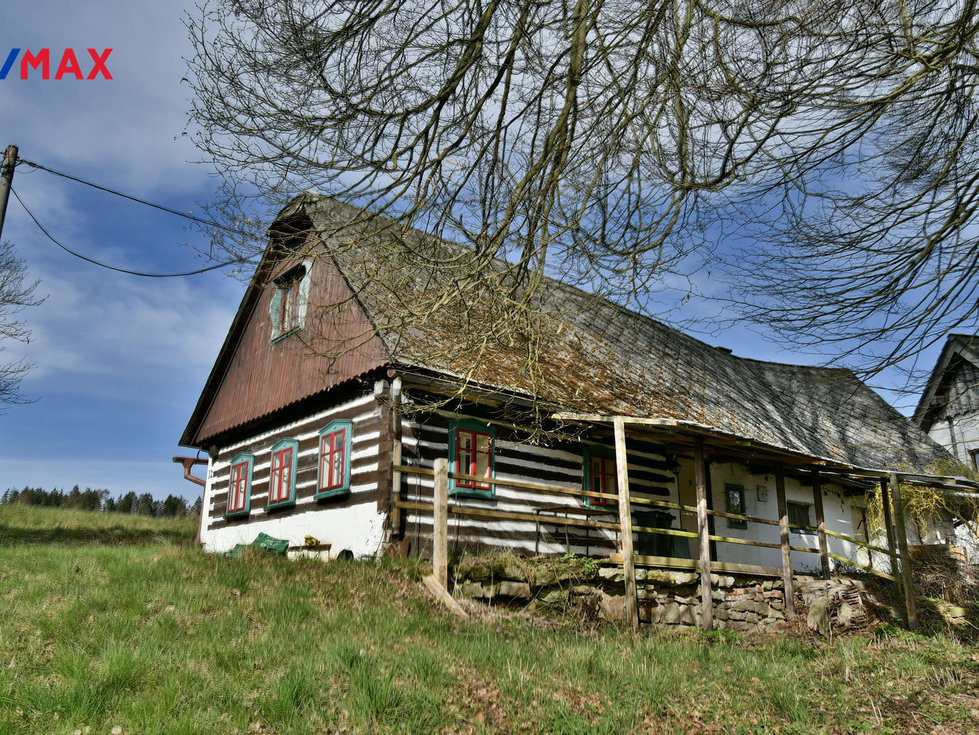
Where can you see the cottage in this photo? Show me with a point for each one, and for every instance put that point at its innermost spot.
(336, 391)
(949, 407)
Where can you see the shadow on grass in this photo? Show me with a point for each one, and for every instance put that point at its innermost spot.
(112, 536)
(938, 618)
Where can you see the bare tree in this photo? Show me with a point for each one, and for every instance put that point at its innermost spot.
(613, 142)
(15, 296)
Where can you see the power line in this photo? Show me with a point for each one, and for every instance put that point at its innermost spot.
(116, 192)
(112, 267)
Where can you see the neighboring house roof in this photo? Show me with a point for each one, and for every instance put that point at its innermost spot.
(592, 356)
(953, 387)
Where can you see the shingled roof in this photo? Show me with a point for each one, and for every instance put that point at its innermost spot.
(593, 356)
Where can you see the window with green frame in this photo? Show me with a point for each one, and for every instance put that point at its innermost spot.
(798, 517)
(282, 474)
(600, 476)
(333, 474)
(471, 449)
(736, 504)
(290, 298)
(240, 486)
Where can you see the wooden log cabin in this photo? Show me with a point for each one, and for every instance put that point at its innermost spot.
(351, 366)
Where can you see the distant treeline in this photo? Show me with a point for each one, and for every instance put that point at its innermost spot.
(100, 501)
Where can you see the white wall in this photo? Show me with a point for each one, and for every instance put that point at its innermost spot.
(350, 525)
(761, 502)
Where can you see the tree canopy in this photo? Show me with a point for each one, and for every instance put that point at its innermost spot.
(820, 155)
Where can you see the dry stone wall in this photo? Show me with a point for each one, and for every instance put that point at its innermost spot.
(665, 598)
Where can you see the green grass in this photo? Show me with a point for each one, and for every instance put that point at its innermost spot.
(153, 636)
(29, 525)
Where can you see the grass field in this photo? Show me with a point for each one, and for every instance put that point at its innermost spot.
(148, 635)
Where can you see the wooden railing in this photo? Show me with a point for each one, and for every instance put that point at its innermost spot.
(441, 509)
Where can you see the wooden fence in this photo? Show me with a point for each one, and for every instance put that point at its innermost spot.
(582, 517)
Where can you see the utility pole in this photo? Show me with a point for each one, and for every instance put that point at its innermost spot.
(6, 179)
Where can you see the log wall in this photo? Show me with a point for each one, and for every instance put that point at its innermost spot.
(354, 522)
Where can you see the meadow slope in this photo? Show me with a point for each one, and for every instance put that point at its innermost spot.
(116, 622)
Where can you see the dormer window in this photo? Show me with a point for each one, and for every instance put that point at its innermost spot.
(287, 311)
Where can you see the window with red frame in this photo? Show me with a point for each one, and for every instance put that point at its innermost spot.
(281, 479)
(333, 472)
(239, 485)
(333, 450)
(602, 479)
(474, 452)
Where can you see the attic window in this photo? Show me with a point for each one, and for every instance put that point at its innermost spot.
(287, 312)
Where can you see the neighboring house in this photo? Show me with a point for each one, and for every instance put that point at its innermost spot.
(949, 407)
(324, 388)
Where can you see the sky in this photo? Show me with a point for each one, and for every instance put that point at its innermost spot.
(120, 360)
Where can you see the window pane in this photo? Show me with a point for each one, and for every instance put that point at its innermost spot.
(611, 486)
(464, 459)
(736, 504)
(336, 474)
(237, 487)
(482, 468)
(473, 456)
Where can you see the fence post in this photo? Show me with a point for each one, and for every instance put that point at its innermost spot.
(440, 523)
(783, 533)
(902, 545)
(885, 501)
(703, 532)
(817, 501)
(625, 522)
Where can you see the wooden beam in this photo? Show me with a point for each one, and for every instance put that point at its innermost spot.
(440, 521)
(498, 482)
(670, 562)
(817, 501)
(703, 530)
(783, 533)
(625, 523)
(442, 595)
(879, 573)
(902, 545)
(510, 515)
(397, 443)
(885, 501)
(857, 542)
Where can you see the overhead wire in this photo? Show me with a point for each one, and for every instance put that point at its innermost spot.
(116, 192)
(115, 268)
(138, 200)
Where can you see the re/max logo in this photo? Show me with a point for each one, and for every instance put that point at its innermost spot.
(68, 66)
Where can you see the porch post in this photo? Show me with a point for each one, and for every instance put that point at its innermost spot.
(703, 532)
(440, 523)
(783, 532)
(885, 500)
(625, 522)
(902, 544)
(817, 501)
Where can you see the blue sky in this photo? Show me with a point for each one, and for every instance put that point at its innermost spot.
(120, 360)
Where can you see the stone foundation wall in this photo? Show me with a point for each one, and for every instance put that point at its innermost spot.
(665, 598)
